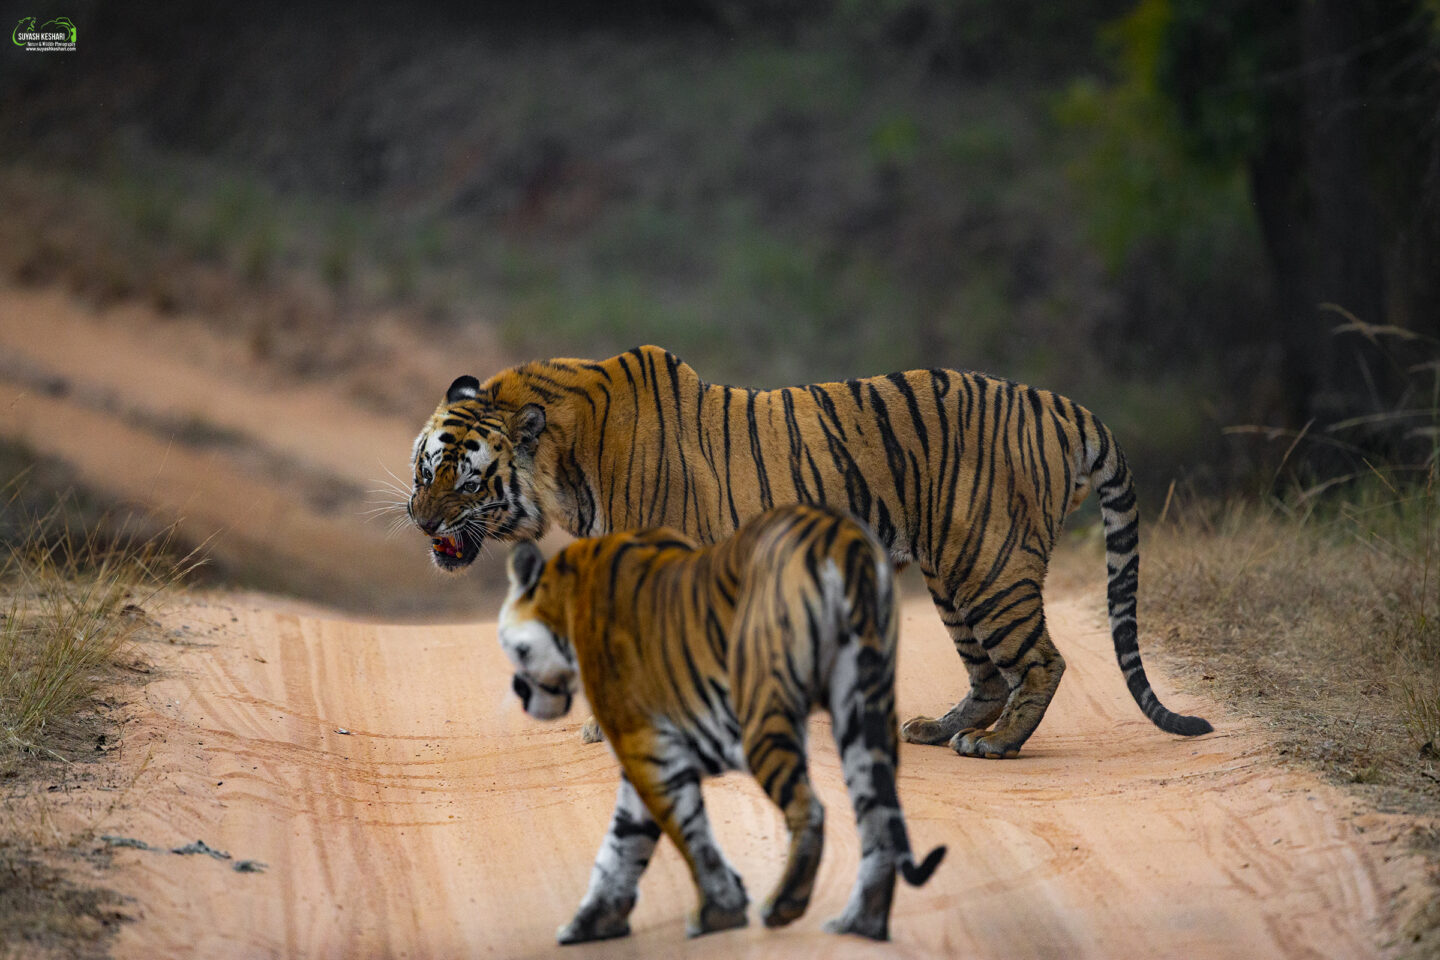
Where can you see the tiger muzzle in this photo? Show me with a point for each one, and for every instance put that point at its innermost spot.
(542, 701)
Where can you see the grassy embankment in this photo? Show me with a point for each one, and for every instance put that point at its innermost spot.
(74, 592)
(1322, 622)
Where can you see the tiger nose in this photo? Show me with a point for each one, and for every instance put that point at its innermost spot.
(429, 525)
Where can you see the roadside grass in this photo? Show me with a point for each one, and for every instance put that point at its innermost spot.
(1322, 621)
(72, 600)
(74, 593)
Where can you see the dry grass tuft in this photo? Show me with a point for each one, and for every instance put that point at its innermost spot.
(73, 594)
(1325, 622)
(70, 600)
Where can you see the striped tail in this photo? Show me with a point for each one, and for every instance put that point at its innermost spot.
(1113, 484)
(915, 876)
(875, 615)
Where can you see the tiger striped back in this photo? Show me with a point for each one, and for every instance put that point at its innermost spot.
(698, 660)
(969, 476)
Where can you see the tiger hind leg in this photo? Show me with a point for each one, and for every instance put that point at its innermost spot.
(1020, 648)
(862, 705)
(775, 754)
(625, 852)
(671, 791)
(988, 689)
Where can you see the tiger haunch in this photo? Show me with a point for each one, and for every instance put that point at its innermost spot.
(701, 660)
(969, 476)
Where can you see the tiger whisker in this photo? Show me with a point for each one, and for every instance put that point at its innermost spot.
(403, 483)
(396, 513)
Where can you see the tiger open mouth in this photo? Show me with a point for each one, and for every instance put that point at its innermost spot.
(453, 552)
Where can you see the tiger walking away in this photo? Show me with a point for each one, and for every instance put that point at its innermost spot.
(968, 476)
(697, 660)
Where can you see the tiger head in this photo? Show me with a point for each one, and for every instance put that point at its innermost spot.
(474, 475)
(545, 667)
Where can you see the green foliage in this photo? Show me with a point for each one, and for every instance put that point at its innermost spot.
(881, 187)
(231, 222)
(1228, 67)
(746, 302)
(1140, 183)
(895, 141)
(147, 203)
(337, 261)
(261, 249)
(976, 38)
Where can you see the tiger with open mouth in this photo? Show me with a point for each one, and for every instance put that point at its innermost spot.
(968, 476)
(473, 481)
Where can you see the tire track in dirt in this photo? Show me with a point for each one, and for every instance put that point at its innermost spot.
(178, 419)
(445, 823)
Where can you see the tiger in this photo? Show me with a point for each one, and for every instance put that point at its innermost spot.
(967, 475)
(698, 660)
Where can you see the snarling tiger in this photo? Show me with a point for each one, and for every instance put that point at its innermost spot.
(697, 660)
(967, 475)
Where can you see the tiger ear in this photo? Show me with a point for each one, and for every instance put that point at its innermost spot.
(526, 426)
(464, 388)
(524, 565)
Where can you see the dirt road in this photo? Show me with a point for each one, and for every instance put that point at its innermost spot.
(405, 807)
(281, 474)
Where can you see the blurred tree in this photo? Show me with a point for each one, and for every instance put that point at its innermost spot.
(1332, 107)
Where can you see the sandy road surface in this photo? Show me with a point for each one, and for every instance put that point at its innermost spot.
(280, 473)
(447, 824)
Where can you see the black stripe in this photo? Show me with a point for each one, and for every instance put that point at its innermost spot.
(729, 492)
(762, 476)
(903, 385)
(663, 467)
(797, 447)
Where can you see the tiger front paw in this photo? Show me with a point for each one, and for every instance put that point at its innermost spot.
(780, 911)
(983, 744)
(873, 928)
(590, 731)
(594, 922)
(722, 904)
(926, 730)
(711, 917)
